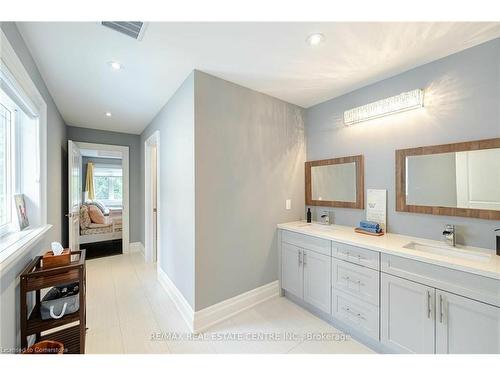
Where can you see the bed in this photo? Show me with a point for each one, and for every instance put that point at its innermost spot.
(92, 232)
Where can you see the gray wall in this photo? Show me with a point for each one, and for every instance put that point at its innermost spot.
(462, 104)
(56, 197)
(176, 125)
(250, 154)
(119, 139)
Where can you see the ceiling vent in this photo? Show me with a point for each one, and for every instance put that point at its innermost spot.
(133, 29)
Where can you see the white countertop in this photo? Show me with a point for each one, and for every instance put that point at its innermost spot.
(394, 244)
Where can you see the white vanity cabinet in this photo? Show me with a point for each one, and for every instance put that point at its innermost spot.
(291, 269)
(407, 315)
(417, 318)
(305, 273)
(465, 326)
(389, 300)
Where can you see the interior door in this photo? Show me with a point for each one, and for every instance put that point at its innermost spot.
(317, 280)
(407, 315)
(154, 185)
(291, 269)
(465, 326)
(74, 194)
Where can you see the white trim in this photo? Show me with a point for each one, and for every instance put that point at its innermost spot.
(180, 302)
(136, 247)
(23, 241)
(31, 97)
(153, 140)
(223, 310)
(126, 184)
(201, 320)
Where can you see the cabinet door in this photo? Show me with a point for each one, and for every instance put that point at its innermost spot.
(317, 280)
(291, 269)
(465, 326)
(407, 315)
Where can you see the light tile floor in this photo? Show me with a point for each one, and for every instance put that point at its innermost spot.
(126, 305)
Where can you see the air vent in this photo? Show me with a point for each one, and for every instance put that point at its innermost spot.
(133, 29)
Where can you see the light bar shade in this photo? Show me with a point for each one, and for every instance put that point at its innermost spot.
(399, 103)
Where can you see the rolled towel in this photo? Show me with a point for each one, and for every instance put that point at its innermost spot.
(365, 224)
(372, 230)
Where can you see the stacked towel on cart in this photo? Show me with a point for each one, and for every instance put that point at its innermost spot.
(370, 226)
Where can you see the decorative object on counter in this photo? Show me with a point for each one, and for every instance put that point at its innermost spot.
(369, 227)
(59, 301)
(498, 241)
(324, 218)
(50, 260)
(22, 214)
(376, 207)
(309, 215)
(45, 347)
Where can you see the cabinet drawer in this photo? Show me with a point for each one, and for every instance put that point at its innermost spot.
(356, 255)
(320, 245)
(358, 281)
(359, 315)
(466, 284)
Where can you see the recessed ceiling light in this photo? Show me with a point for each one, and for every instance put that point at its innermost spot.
(315, 39)
(115, 65)
(108, 114)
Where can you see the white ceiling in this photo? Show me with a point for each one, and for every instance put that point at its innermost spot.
(272, 58)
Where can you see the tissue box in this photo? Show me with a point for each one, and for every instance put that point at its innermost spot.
(49, 260)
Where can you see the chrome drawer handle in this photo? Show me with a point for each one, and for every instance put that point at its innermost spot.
(358, 315)
(298, 257)
(348, 255)
(429, 308)
(348, 279)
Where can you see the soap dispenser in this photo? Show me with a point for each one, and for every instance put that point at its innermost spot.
(308, 215)
(498, 241)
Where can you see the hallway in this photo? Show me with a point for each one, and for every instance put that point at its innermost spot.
(126, 306)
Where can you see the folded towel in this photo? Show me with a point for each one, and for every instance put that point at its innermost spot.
(372, 230)
(369, 224)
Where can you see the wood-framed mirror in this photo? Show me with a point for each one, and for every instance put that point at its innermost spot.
(457, 179)
(335, 182)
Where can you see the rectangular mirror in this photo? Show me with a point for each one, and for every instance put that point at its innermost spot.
(461, 179)
(335, 182)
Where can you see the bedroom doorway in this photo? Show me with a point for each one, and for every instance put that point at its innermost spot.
(104, 198)
(152, 197)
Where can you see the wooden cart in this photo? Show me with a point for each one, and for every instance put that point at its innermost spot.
(34, 278)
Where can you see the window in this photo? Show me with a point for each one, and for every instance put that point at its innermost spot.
(19, 171)
(108, 184)
(5, 174)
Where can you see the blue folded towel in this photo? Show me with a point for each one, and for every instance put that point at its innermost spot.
(372, 230)
(365, 224)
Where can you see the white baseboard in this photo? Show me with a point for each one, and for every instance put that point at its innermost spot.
(180, 302)
(201, 320)
(135, 247)
(223, 310)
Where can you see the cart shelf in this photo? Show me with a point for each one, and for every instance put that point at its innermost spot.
(34, 278)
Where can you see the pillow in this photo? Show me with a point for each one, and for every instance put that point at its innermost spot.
(84, 217)
(96, 215)
(99, 205)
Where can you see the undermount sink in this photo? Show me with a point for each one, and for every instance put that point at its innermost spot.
(448, 251)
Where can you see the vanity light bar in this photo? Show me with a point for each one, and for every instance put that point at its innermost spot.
(395, 104)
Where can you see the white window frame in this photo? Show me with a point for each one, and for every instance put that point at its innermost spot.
(14, 76)
(109, 202)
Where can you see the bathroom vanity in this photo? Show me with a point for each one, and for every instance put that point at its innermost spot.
(395, 293)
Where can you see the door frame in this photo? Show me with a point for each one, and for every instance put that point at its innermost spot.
(126, 187)
(152, 140)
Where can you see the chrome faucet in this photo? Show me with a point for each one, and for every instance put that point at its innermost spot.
(449, 234)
